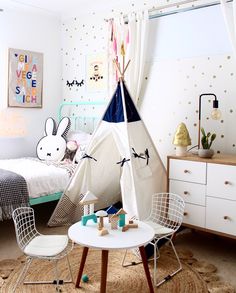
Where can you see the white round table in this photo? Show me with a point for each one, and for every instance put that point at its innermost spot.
(88, 237)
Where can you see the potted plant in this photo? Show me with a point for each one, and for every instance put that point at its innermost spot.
(206, 140)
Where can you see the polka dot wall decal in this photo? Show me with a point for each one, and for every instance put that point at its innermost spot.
(187, 76)
(195, 85)
(214, 76)
(221, 121)
(228, 57)
(210, 85)
(195, 124)
(220, 66)
(231, 110)
(222, 136)
(225, 91)
(203, 73)
(233, 145)
(193, 67)
(208, 58)
(207, 118)
(231, 73)
(186, 118)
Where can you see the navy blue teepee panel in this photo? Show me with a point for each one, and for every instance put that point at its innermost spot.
(115, 111)
(132, 113)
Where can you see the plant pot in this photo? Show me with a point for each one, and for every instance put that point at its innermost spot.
(205, 153)
(181, 150)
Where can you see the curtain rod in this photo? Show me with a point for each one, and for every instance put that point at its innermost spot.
(154, 14)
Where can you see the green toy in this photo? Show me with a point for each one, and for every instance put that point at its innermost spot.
(85, 218)
(85, 278)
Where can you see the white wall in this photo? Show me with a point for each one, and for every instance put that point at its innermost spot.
(189, 54)
(34, 30)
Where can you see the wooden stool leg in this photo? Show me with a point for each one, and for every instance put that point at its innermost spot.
(104, 271)
(146, 269)
(81, 268)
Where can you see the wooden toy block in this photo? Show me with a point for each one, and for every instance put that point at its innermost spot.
(114, 222)
(103, 232)
(86, 218)
(132, 225)
(125, 228)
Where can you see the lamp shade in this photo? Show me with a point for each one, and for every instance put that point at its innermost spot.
(182, 137)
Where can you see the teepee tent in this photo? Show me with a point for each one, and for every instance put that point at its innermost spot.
(121, 162)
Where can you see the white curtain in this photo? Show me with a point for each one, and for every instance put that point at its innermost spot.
(229, 13)
(133, 37)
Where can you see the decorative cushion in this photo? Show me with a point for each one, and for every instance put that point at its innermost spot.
(46, 245)
(52, 146)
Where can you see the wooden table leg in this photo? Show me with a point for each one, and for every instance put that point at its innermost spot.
(81, 268)
(104, 271)
(146, 269)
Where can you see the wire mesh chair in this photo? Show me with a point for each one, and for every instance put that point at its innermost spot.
(39, 246)
(166, 217)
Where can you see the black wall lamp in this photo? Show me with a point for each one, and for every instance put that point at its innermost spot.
(215, 114)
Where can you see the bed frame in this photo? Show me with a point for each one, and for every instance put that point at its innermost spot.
(84, 116)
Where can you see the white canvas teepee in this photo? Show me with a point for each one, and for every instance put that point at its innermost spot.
(121, 162)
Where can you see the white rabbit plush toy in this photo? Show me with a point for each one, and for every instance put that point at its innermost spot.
(52, 146)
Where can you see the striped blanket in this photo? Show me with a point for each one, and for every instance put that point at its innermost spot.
(13, 193)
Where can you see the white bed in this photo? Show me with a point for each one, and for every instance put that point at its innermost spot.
(46, 182)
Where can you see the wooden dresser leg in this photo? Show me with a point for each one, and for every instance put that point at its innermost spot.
(104, 271)
(81, 268)
(146, 269)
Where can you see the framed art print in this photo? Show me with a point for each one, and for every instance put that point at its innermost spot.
(25, 79)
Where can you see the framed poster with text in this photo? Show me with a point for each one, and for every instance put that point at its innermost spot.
(25, 79)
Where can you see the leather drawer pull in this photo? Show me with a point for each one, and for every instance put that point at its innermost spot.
(186, 192)
(187, 171)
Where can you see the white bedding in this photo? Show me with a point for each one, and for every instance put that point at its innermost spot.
(42, 179)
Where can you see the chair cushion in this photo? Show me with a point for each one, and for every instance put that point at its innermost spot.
(46, 245)
(160, 230)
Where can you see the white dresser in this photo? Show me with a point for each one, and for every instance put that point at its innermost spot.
(208, 187)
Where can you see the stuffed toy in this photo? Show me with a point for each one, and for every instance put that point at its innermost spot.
(52, 146)
(71, 148)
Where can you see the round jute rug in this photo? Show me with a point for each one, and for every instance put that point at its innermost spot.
(119, 279)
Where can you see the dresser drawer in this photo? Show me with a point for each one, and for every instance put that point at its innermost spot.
(221, 181)
(190, 192)
(194, 215)
(221, 215)
(188, 171)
